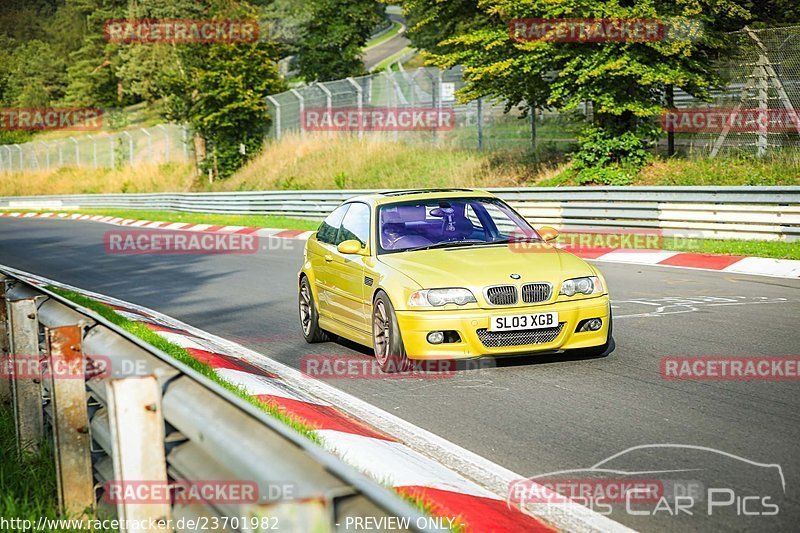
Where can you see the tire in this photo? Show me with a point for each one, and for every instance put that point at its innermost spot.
(386, 339)
(603, 349)
(309, 317)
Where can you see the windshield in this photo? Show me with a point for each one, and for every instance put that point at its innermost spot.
(448, 222)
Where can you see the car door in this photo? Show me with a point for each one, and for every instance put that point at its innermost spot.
(347, 288)
(321, 249)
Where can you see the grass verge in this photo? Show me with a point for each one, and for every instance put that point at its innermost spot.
(182, 355)
(27, 482)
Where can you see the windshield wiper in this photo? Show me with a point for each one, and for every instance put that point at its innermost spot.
(448, 244)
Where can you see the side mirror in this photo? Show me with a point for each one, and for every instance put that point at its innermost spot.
(547, 233)
(350, 246)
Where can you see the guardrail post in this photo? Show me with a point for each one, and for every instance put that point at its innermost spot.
(5, 368)
(70, 420)
(26, 386)
(136, 425)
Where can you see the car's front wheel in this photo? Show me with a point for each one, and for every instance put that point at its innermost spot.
(386, 339)
(309, 317)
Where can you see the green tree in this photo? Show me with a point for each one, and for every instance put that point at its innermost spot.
(336, 32)
(92, 73)
(220, 91)
(625, 81)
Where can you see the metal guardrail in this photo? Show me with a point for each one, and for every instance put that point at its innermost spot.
(150, 419)
(742, 212)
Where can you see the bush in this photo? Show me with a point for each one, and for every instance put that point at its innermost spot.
(608, 159)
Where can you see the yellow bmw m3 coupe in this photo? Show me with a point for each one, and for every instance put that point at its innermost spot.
(442, 274)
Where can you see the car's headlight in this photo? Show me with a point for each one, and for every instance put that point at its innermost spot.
(440, 297)
(588, 285)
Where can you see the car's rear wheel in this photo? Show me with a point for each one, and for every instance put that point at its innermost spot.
(309, 317)
(386, 339)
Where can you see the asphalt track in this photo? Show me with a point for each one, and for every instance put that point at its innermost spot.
(373, 56)
(531, 415)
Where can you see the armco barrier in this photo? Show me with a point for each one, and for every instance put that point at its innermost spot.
(742, 212)
(150, 420)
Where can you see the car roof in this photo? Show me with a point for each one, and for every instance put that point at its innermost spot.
(388, 197)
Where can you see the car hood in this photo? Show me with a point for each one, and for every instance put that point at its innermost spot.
(481, 266)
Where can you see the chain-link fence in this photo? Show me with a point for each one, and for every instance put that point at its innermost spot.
(763, 75)
(762, 72)
(479, 124)
(159, 144)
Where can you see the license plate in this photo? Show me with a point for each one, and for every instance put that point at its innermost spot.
(520, 322)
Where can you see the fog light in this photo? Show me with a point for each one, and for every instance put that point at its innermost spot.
(436, 337)
(594, 324)
(589, 324)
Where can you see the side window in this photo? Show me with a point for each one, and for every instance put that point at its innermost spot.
(330, 226)
(355, 224)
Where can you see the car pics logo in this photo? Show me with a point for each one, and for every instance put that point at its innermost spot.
(51, 118)
(378, 119)
(155, 242)
(731, 368)
(588, 30)
(354, 367)
(643, 492)
(185, 31)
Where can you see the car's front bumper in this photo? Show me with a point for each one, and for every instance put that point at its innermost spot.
(415, 326)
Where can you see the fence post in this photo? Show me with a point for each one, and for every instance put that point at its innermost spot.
(136, 426)
(763, 104)
(77, 152)
(5, 351)
(130, 146)
(60, 154)
(328, 102)
(359, 104)
(46, 153)
(26, 389)
(166, 142)
(434, 93)
(72, 442)
(185, 140)
(302, 109)
(277, 116)
(10, 163)
(480, 123)
(21, 157)
(112, 151)
(149, 145)
(94, 149)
